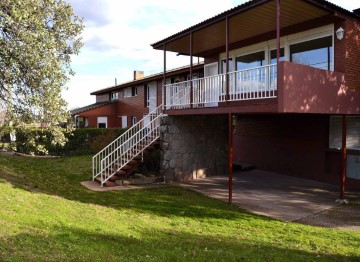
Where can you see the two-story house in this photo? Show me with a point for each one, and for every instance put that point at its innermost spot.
(125, 104)
(281, 91)
(287, 74)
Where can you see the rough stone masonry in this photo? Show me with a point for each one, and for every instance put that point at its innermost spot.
(193, 147)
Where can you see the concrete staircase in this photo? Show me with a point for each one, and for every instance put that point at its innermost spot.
(126, 167)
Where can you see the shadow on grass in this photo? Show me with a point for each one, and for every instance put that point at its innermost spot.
(62, 176)
(75, 244)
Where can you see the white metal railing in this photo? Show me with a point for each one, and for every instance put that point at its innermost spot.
(254, 83)
(122, 150)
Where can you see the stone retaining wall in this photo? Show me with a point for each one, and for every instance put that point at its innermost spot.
(193, 147)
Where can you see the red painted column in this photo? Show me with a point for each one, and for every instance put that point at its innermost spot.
(191, 70)
(227, 60)
(343, 158)
(164, 89)
(278, 33)
(230, 158)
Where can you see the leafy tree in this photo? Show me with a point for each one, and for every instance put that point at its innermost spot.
(37, 40)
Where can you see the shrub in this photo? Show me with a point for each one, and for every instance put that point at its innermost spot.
(38, 141)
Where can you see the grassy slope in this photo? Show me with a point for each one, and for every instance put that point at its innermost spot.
(47, 215)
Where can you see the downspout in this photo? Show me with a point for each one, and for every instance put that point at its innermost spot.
(75, 120)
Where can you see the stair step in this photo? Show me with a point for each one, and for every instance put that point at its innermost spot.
(150, 147)
(123, 161)
(138, 157)
(114, 177)
(127, 167)
(107, 183)
(121, 172)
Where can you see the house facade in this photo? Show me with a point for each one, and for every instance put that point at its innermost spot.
(123, 105)
(281, 91)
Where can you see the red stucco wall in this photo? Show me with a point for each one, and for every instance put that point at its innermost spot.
(304, 89)
(109, 111)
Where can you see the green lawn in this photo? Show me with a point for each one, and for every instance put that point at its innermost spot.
(46, 215)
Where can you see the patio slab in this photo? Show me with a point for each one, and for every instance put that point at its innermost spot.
(269, 194)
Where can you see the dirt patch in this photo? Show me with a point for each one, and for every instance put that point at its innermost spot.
(344, 216)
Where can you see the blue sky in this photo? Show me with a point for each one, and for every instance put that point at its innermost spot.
(117, 39)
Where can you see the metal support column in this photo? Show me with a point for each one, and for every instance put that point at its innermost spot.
(343, 158)
(164, 81)
(278, 33)
(191, 70)
(227, 60)
(230, 158)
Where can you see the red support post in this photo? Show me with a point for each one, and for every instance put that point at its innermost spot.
(164, 88)
(227, 60)
(191, 70)
(343, 158)
(278, 33)
(230, 158)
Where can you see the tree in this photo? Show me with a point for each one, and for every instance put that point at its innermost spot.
(37, 40)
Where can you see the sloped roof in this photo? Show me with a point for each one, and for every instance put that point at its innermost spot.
(148, 79)
(77, 111)
(252, 18)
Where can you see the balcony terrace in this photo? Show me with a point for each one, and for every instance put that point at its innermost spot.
(294, 89)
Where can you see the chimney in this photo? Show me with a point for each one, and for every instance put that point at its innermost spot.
(138, 75)
(356, 11)
(115, 81)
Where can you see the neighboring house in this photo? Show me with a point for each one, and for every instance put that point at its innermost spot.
(286, 74)
(125, 104)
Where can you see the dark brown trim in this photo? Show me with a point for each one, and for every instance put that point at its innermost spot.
(244, 108)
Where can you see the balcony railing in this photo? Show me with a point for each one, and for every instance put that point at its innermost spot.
(254, 83)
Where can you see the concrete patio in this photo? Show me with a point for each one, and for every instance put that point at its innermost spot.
(265, 193)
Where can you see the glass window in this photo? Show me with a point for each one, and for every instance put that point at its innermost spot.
(273, 55)
(316, 53)
(133, 120)
(223, 66)
(134, 91)
(352, 136)
(250, 61)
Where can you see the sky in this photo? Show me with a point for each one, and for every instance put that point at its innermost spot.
(117, 39)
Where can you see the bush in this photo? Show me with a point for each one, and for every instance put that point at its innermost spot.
(38, 141)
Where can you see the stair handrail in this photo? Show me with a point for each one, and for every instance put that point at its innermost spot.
(113, 150)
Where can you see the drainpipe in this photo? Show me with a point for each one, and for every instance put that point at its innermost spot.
(75, 120)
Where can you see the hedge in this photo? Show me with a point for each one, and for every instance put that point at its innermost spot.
(81, 142)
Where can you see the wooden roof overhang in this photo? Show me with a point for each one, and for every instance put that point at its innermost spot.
(248, 22)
